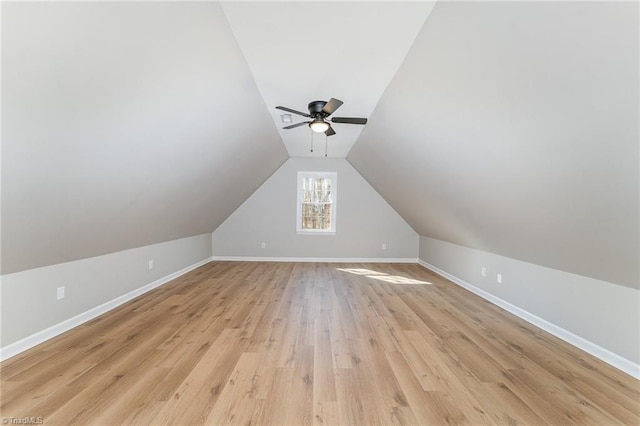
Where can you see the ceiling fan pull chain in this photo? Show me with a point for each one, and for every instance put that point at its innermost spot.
(325, 144)
(311, 131)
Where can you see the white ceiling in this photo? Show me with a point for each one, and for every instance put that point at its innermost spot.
(510, 127)
(499, 136)
(300, 52)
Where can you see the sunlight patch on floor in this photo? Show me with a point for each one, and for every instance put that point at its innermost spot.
(391, 279)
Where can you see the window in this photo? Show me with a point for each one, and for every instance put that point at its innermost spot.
(317, 203)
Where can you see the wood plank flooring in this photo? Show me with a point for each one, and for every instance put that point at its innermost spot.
(313, 343)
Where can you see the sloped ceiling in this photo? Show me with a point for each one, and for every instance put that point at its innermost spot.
(124, 124)
(300, 52)
(512, 127)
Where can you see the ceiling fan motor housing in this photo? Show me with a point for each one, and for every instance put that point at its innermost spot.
(315, 108)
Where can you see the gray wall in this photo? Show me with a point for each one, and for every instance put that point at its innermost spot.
(29, 302)
(364, 220)
(600, 312)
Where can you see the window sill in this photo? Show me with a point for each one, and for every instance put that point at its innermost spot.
(316, 232)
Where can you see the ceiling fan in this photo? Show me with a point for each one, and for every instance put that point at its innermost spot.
(319, 111)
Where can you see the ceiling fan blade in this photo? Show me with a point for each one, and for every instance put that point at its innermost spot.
(331, 106)
(330, 132)
(293, 126)
(304, 114)
(349, 120)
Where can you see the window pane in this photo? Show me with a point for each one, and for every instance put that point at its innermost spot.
(316, 216)
(316, 199)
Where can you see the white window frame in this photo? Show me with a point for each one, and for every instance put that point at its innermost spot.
(334, 198)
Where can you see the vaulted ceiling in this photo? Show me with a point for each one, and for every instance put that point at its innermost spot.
(510, 127)
(300, 52)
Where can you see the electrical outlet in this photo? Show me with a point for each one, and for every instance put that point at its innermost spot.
(499, 278)
(384, 246)
(60, 293)
(484, 271)
(151, 264)
(264, 245)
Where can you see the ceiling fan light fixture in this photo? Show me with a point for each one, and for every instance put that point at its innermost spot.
(319, 126)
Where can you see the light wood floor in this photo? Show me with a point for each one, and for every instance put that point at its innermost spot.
(305, 343)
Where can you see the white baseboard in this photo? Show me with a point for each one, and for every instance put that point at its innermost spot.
(599, 352)
(66, 325)
(317, 259)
